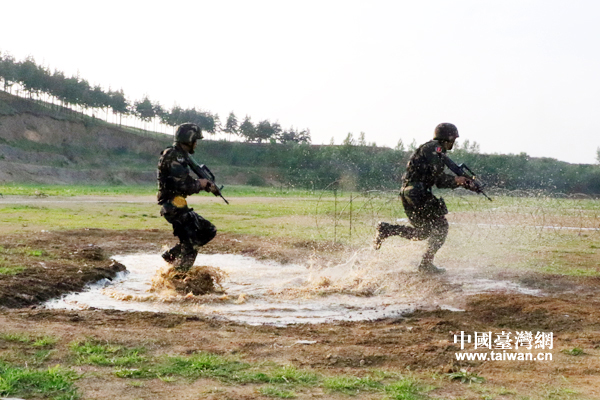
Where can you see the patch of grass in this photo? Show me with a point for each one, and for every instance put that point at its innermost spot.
(567, 269)
(575, 351)
(561, 394)
(11, 270)
(42, 356)
(26, 189)
(281, 375)
(23, 189)
(200, 365)
(45, 341)
(272, 391)
(40, 342)
(280, 379)
(22, 251)
(16, 337)
(351, 385)
(137, 373)
(466, 377)
(203, 365)
(91, 352)
(53, 383)
(404, 389)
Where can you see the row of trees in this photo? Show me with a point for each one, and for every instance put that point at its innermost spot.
(264, 131)
(72, 92)
(366, 167)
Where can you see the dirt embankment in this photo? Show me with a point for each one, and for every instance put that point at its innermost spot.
(42, 149)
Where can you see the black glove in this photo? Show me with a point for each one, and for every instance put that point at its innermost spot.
(472, 185)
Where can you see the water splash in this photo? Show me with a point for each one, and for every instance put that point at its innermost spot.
(366, 285)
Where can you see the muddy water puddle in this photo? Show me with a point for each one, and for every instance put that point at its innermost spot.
(263, 292)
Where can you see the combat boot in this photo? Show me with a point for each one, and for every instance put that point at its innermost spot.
(186, 261)
(428, 268)
(382, 232)
(173, 254)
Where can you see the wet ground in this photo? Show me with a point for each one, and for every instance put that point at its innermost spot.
(268, 292)
(362, 315)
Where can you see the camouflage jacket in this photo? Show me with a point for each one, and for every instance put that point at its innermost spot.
(427, 167)
(174, 175)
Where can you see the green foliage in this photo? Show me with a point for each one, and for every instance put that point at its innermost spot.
(75, 91)
(272, 391)
(576, 351)
(466, 377)
(281, 375)
(248, 130)
(91, 352)
(351, 385)
(231, 125)
(11, 270)
(54, 383)
(28, 189)
(16, 337)
(45, 341)
(136, 373)
(279, 379)
(265, 130)
(256, 180)
(202, 365)
(43, 344)
(144, 109)
(404, 389)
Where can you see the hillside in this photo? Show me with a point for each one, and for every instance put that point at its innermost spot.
(42, 143)
(39, 144)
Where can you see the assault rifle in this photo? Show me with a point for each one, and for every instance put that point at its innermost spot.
(203, 172)
(463, 170)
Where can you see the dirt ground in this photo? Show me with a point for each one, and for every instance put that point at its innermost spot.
(420, 344)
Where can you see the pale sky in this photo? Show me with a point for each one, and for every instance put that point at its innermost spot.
(514, 76)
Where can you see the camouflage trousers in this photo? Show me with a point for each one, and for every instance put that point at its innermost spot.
(193, 232)
(426, 213)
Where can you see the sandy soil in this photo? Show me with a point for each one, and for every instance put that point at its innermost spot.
(421, 343)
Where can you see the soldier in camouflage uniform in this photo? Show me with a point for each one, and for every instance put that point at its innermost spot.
(425, 211)
(175, 183)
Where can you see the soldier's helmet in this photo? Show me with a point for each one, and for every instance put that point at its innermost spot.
(445, 131)
(188, 133)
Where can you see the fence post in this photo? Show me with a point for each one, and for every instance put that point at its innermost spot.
(350, 217)
(334, 215)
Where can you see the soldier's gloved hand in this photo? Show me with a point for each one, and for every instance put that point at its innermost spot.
(467, 183)
(205, 185)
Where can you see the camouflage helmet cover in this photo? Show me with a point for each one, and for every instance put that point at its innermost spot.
(188, 133)
(445, 131)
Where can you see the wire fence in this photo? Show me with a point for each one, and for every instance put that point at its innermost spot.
(349, 217)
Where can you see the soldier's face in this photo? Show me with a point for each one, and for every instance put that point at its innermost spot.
(193, 147)
(449, 144)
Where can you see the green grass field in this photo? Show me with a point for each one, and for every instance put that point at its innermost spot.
(136, 365)
(553, 235)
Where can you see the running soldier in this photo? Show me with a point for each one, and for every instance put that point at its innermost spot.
(175, 183)
(425, 211)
